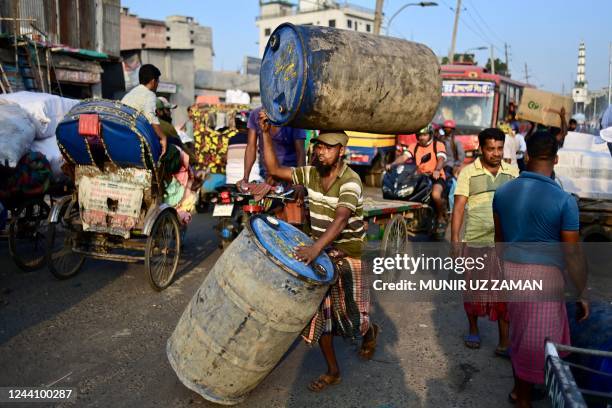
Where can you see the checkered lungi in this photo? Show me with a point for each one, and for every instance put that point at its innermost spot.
(532, 322)
(345, 309)
(485, 302)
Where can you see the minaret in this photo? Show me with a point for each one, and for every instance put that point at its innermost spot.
(580, 91)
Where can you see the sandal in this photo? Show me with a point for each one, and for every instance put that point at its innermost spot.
(368, 348)
(502, 352)
(537, 394)
(323, 382)
(472, 341)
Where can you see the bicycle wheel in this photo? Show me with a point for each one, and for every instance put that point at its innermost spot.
(27, 234)
(62, 262)
(163, 251)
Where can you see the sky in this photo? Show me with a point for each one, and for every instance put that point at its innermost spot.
(544, 34)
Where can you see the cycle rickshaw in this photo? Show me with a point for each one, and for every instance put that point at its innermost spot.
(116, 211)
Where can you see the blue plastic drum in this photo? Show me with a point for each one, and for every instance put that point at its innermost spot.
(252, 305)
(325, 78)
(278, 239)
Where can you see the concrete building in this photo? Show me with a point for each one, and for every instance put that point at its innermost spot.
(327, 13)
(185, 33)
(176, 32)
(216, 83)
(177, 79)
(84, 59)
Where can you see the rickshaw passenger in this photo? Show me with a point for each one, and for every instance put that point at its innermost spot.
(178, 180)
(143, 99)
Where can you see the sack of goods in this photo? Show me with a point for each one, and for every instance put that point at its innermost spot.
(48, 147)
(16, 133)
(46, 110)
(235, 161)
(585, 166)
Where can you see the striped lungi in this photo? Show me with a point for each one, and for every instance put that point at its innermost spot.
(345, 309)
(484, 302)
(533, 322)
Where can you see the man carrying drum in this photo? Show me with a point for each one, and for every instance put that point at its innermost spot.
(336, 214)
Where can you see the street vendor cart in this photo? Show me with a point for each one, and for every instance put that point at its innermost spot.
(116, 212)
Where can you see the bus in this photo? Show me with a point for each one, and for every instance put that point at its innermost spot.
(475, 99)
(367, 153)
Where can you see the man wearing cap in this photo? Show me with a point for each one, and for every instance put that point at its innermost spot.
(429, 155)
(455, 154)
(162, 110)
(336, 213)
(143, 99)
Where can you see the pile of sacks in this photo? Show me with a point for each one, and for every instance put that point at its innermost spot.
(585, 166)
(28, 121)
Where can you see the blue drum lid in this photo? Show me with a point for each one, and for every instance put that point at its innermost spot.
(278, 239)
(283, 74)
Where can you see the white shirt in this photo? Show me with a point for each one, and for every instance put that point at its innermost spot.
(142, 99)
(511, 146)
(522, 146)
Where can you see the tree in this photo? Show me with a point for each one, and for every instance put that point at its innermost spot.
(500, 67)
(460, 58)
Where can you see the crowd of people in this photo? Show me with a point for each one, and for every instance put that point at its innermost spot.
(507, 194)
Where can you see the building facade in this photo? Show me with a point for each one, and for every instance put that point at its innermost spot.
(84, 56)
(176, 32)
(325, 13)
(185, 33)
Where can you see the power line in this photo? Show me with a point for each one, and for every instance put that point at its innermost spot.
(469, 27)
(485, 22)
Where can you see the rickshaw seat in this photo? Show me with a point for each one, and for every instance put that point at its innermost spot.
(126, 137)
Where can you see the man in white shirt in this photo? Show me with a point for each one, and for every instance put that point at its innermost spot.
(143, 99)
(511, 145)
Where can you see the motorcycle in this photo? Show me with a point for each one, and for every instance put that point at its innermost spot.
(403, 182)
(233, 208)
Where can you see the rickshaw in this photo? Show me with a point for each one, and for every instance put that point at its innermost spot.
(116, 211)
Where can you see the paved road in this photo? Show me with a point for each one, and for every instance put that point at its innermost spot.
(104, 332)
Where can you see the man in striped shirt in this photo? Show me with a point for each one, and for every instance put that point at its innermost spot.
(336, 212)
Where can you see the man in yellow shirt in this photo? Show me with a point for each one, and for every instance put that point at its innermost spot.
(476, 187)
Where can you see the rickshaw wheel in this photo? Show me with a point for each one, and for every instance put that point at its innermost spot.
(163, 251)
(62, 262)
(395, 239)
(27, 231)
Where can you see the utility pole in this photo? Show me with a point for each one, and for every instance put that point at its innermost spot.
(451, 53)
(507, 60)
(526, 74)
(492, 61)
(378, 16)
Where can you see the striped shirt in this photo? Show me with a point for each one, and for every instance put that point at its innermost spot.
(346, 191)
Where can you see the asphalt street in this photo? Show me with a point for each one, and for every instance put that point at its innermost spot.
(104, 333)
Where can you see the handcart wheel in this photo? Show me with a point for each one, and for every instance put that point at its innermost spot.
(62, 261)
(27, 231)
(163, 251)
(395, 239)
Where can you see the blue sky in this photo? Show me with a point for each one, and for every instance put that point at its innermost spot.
(545, 34)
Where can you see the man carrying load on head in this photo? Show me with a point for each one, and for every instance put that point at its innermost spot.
(336, 213)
